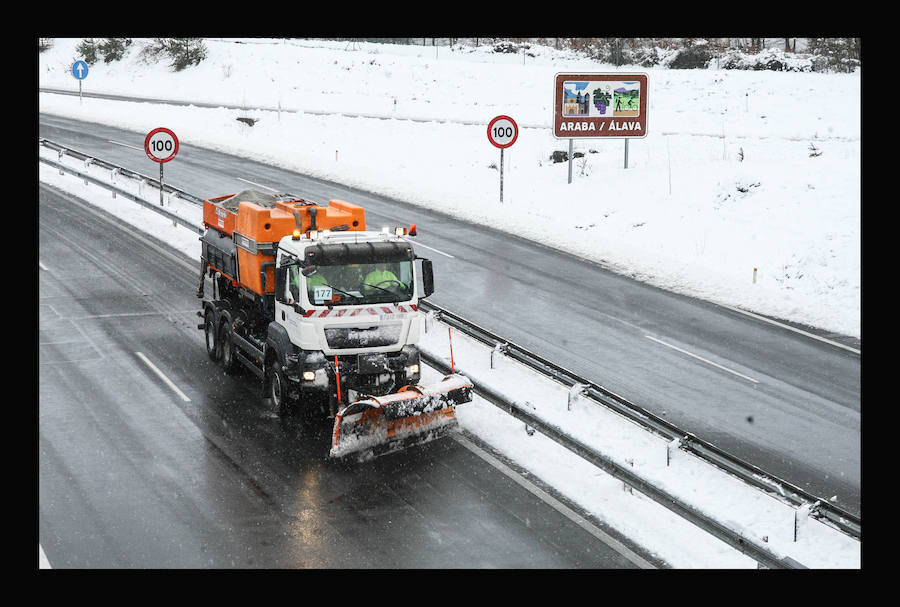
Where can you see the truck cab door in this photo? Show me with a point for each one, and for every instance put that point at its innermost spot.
(287, 292)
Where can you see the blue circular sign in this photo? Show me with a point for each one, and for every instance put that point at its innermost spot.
(80, 69)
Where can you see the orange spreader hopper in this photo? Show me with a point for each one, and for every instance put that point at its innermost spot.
(258, 221)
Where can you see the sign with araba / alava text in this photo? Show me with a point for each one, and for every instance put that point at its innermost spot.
(600, 105)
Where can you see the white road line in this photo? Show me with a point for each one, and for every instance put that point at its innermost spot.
(794, 329)
(419, 244)
(60, 343)
(43, 267)
(555, 504)
(163, 377)
(709, 362)
(43, 563)
(131, 314)
(125, 145)
(259, 185)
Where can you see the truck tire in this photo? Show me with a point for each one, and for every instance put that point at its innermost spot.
(227, 358)
(281, 404)
(212, 341)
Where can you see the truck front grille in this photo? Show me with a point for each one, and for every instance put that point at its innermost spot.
(363, 337)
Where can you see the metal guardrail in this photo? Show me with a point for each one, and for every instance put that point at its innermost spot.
(845, 521)
(834, 515)
(747, 544)
(89, 159)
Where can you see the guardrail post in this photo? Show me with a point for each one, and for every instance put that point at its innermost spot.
(675, 443)
(574, 392)
(801, 517)
(529, 430)
(498, 349)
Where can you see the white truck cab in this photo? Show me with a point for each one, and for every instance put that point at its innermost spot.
(354, 296)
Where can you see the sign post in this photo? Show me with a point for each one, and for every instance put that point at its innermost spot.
(161, 146)
(502, 132)
(600, 105)
(80, 71)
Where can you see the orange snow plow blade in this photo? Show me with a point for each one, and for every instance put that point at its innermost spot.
(412, 416)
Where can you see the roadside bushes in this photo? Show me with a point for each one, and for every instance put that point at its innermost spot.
(110, 49)
(180, 52)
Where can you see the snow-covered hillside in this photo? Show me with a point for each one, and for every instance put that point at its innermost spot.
(740, 170)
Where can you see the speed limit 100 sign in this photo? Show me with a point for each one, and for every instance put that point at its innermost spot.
(502, 131)
(161, 145)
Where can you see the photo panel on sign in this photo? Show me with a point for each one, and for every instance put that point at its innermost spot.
(601, 98)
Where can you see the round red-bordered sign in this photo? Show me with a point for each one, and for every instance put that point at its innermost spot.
(502, 131)
(161, 145)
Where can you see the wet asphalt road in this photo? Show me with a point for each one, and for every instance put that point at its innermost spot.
(787, 403)
(135, 472)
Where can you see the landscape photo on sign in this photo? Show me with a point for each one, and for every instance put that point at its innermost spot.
(627, 99)
(601, 98)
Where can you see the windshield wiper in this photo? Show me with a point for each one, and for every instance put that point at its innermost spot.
(383, 289)
(396, 294)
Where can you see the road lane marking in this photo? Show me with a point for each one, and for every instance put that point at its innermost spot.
(419, 244)
(131, 314)
(259, 185)
(794, 329)
(700, 358)
(555, 504)
(43, 562)
(162, 376)
(125, 145)
(43, 267)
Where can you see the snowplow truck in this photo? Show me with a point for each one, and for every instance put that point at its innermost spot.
(324, 313)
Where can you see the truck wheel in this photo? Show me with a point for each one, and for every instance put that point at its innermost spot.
(226, 349)
(212, 344)
(278, 390)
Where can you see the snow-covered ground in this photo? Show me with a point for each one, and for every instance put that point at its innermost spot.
(798, 221)
(687, 215)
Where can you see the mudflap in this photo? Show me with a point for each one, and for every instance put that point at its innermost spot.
(412, 416)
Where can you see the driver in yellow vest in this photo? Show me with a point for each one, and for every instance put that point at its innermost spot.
(381, 277)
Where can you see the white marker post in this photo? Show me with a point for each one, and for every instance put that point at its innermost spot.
(161, 146)
(502, 132)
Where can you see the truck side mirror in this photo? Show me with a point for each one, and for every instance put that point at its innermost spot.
(427, 274)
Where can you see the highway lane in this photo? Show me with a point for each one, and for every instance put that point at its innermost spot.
(150, 457)
(783, 401)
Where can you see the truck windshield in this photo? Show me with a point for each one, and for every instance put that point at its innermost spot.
(360, 283)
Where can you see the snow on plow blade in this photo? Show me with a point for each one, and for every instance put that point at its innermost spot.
(414, 415)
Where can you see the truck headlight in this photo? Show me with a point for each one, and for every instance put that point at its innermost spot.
(309, 375)
(412, 370)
